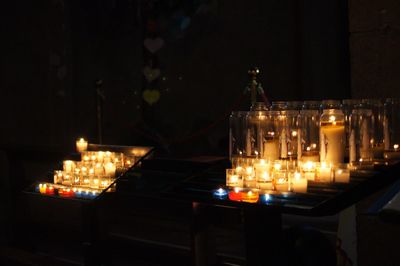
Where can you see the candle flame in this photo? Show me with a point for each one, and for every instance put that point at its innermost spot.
(396, 146)
(277, 166)
(308, 148)
(294, 133)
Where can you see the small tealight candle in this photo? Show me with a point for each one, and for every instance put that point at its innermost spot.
(299, 183)
(42, 188)
(220, 193)
(393, 154)
(236, 194)
(266, 198)
(250, 196)
(66, 192)
(50, 190)
(81, 145)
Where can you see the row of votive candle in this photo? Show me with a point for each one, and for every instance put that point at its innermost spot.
(67, 192)
(284, 176)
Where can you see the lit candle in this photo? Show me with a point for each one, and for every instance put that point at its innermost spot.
(42, 188)
(98, 169)
(264, 181)
(309, 170)
(310, 154)
(249, 177)
(324, 172)
(266, 198)
(394, 154)
(68, 166)
(233, 179)
(58, 177)
(342, 175)
(220, 193)
(299, 184)
(81, 145)
(332, 136)
(236, 194)
(66, 192)
(281, 184)
(109, 169)
(67, 179)
(250, 196)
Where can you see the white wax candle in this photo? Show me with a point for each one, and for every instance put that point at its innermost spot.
(334, 136)
(342, 176)
(81, 145)
(234, 181)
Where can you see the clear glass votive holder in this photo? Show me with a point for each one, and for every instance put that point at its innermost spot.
(233, 179)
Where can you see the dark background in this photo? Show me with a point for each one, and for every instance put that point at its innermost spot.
(56, 49)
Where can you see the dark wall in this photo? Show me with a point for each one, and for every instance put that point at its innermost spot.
(57, 49)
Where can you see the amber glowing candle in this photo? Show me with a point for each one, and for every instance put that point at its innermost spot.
(81, 145)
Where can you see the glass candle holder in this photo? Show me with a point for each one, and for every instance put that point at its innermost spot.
(332, 133)
(280, 179)
(308, 170)
(271, 137)
(58, 177)
(392, 129)
(77, 177)
(235, 194)
(68, 166)
(249, 178)
(255, 132)
(342, 173)
(85, 176)
(233, 178)
(263, 175)
(298, 182)
(324, 172)
(377, 140)
(81, 145)
(237, 130)
(309, 135)
(361, 136)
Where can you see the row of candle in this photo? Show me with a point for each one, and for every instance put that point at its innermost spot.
(284, 175)
(330, 133)
(243, 195)
(67, 192)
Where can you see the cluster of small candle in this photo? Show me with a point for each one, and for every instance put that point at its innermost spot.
(97, 169)
(283, 175)
(66, 191)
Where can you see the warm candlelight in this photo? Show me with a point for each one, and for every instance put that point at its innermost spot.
(332, 137)
(309, 170)
(250, 196)
(81, 145)
(68, 166)
(342, 175)
(299, 183)
(281, 184)
(109, 169)
(324, 172)
(236, 194)
(264, 181)
(233, 179)
(42, 188)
